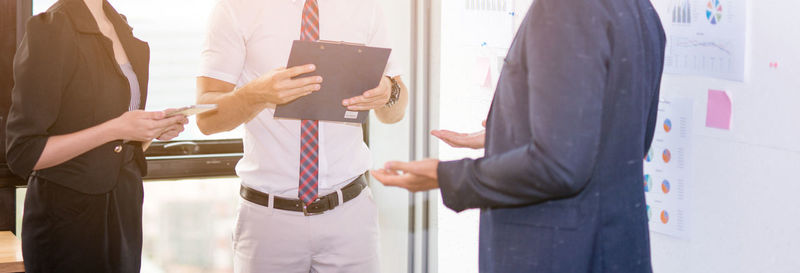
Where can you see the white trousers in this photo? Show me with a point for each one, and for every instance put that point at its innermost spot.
(344, 239)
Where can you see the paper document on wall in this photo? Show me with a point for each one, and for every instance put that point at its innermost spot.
(704, 37)
(667, 169)
(487, 23)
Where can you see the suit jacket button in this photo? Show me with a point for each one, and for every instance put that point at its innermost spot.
(118, 149)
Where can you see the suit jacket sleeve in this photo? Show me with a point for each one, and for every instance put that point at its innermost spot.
(652, 119)
(42, 68)
(565, 52)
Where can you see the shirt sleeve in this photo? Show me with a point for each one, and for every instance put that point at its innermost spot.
(224, 51)
(379, 37)
(43, 67)
(564, 63)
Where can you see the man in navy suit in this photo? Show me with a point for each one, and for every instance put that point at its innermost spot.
(560, 185)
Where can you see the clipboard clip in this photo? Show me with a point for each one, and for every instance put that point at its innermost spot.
(340, 43)
(322, 47)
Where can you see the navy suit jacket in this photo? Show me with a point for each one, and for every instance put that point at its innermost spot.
(560, 187)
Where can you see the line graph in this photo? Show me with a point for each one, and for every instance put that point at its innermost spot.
(701, 56)
(692, 43)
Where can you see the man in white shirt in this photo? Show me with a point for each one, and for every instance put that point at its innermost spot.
(305, 203)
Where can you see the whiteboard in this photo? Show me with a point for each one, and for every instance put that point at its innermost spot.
(743, 204)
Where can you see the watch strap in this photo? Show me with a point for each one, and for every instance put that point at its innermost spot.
(395, 95)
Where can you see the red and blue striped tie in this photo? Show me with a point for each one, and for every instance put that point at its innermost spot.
(309, 132)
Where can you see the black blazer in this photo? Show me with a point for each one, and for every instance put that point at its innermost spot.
(574, 113)
(67, 80)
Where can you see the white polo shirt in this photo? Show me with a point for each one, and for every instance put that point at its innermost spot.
(248, 38)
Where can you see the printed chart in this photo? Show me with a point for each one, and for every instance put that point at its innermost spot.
(490, 23)
(704, 37)
(682, 12)
(666, 176)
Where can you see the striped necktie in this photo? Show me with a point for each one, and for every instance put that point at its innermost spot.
(309, 129)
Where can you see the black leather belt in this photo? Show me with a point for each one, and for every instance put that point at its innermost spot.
(321, 205)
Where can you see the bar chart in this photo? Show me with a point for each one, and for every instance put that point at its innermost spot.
(682, 12)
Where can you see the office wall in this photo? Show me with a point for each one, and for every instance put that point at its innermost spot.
(742, 203)
(741, 193)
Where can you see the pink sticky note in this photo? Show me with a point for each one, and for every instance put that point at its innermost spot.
(487, 82)
(483, 72)
(718, 114)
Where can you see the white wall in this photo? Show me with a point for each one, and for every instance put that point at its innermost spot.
(742, 207)
(743, 204)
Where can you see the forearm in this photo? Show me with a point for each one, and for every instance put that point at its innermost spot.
(396, 112)
(62, 148)
(233, 109)
(522, 176)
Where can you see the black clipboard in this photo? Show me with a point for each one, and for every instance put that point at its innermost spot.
(347, 71)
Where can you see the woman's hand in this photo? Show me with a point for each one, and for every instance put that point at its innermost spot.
(173, 130)
(145, 126)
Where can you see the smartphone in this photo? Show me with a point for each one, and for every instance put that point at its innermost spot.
(192, 110)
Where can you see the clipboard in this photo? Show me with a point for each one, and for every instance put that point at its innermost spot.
(347, 71)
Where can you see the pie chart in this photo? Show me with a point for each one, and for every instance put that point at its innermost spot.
(714, 11)
(667, 125)
(649, 213)
(648, 183)
(664, 217)
(665, 186)
(649, 156)
(666, 155)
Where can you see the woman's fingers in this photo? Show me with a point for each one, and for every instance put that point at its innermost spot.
(150, 114)
(171, 132)
(166, 122)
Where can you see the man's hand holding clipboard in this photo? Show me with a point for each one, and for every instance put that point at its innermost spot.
(348, 71)
(284, 85)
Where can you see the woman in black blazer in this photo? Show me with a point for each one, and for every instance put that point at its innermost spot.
(76, 131)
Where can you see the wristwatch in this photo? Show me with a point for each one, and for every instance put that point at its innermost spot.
(395, 96)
